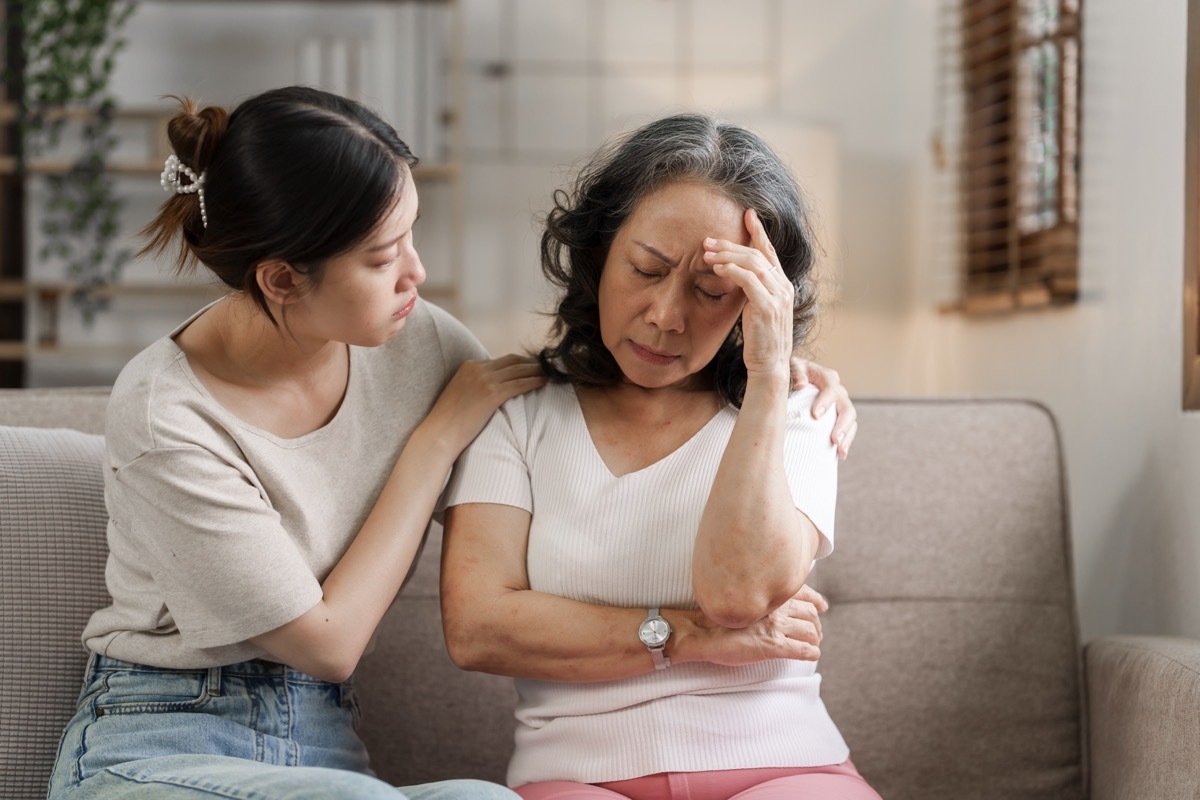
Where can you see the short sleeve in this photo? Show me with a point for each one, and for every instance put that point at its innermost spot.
(457, 343)
(494, 468)
(219, 555)
(810, 460)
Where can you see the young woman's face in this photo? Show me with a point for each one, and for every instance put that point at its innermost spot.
(663, 312)
(365, 295)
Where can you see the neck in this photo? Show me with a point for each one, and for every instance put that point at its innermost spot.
(666, 402)
(254, 351)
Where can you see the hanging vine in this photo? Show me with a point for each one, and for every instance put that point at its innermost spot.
(69, 50)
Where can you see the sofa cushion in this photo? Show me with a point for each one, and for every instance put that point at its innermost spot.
(52, 554)
(951, 653)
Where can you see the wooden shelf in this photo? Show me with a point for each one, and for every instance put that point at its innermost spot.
(18, 290)
(13, 351)
(8, 166)
(80, 351)
(9, 113)
(158, 117)
(20, 351)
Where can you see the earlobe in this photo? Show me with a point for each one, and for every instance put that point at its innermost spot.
(278, 282)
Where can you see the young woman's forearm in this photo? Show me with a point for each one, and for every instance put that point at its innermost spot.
(328, 640)
(754, 548)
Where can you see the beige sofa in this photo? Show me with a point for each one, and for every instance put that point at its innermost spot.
(951, 659)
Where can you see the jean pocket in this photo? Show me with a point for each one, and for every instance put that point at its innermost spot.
(138, 691)
(349, 702)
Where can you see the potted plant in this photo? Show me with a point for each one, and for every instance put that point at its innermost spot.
(68, 52)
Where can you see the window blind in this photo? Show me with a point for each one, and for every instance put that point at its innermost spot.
(1016, 75)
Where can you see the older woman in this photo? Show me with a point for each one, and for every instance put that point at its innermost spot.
(632, 541)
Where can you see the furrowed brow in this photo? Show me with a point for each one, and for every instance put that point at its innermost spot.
(660, 255)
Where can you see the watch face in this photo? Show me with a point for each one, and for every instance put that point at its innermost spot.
(654, 632)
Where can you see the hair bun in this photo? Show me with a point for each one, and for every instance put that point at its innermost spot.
(195, 132)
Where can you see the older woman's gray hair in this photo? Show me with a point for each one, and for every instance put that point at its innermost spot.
(580, 229)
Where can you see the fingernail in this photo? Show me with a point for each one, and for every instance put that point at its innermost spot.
(820, 411)
(841, 436)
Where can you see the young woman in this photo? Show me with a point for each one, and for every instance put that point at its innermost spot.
(632, 541)
(272, 465)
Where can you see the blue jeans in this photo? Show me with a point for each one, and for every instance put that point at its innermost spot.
(252, 730)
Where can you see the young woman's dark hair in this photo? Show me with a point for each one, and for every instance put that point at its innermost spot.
(584, 221)
(294, 174)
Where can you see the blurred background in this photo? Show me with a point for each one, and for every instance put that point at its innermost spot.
(1001, 187)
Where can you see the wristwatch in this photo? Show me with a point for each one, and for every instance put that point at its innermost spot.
(654, 632)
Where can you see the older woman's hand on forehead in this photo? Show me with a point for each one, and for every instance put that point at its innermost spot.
(767, 316)
(831, 392)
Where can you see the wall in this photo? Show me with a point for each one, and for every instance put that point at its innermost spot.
(1110, 367)
(547, 81)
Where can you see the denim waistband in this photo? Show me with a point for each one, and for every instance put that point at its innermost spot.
(258, 668)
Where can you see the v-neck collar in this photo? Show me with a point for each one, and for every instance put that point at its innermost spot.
(581, 420)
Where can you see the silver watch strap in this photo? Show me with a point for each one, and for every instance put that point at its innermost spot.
(658, 654)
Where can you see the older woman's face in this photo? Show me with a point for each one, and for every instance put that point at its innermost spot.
(663, 312)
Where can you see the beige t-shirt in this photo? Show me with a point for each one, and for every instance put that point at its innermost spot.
(220, 531)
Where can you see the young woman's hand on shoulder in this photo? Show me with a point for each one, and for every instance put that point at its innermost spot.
(474, 394)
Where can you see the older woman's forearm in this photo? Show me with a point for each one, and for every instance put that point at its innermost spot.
(495, 623)
(754, 548)
(527, 634)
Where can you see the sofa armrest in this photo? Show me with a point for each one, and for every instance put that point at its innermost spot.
(1144, 716)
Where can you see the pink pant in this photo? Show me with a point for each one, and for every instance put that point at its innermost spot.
(837, 782)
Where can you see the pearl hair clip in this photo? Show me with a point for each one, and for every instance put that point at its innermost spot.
(171, 182)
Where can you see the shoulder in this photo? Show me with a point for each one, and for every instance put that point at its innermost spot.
(802, 429)
(799, 408)
(547, 405)
(432, 341)
(148, 399)
(531, 416)
(551, 400)
(456, 342)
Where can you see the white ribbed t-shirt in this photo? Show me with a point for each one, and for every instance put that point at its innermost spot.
(627, 541)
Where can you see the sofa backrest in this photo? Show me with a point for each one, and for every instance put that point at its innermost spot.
(52, 554)
(950, 660)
